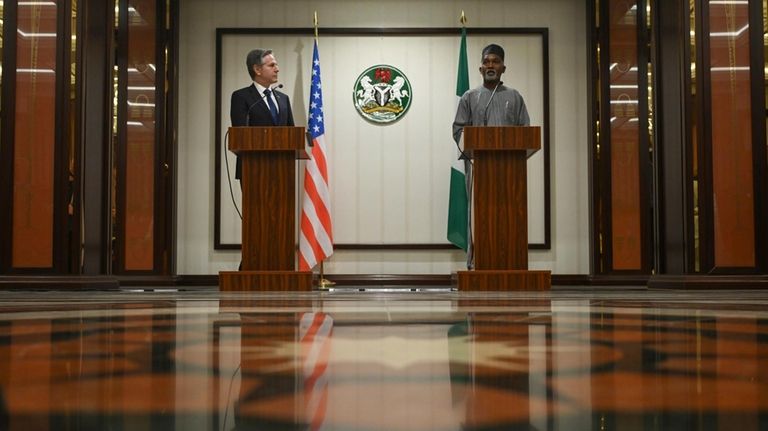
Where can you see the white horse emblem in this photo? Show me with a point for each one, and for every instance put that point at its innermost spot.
(397, 93)
(366, 94)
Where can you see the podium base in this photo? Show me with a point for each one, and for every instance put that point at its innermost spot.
(265, 281)
(504, 280)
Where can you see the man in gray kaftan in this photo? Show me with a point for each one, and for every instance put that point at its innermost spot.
(491, 104)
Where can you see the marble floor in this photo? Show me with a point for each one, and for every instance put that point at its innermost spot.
(609, 359)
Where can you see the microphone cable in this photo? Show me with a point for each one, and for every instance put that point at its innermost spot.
(462, 154)
(487, 105)
(229, 394)
(226, 138)
(229, 176)
(261, 97)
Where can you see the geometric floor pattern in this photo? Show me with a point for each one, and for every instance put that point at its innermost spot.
(609, 359)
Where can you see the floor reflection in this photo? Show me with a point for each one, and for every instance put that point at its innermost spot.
(582, 360)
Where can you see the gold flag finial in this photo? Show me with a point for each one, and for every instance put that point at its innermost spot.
(463, 19)
(315, 24)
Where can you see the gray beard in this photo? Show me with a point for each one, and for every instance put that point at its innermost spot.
(490, 76)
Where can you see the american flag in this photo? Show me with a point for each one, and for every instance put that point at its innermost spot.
(316, 237)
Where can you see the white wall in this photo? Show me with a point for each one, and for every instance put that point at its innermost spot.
(568, 123)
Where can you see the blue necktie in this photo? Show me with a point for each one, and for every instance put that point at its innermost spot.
(272, 107)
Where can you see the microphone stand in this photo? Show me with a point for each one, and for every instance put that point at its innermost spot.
(261, 98)
(487, 105)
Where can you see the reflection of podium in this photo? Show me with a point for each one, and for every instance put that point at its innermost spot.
(500, 209)
(268, 183)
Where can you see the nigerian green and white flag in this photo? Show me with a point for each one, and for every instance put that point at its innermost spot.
(458, 202)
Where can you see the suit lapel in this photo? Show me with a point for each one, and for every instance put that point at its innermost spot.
(281, 115)
(261, 104)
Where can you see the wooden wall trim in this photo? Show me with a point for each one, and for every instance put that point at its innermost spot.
(95, 135)
(708, 282)
(674, 192)
(647, 254)
(58, 283)
(760, 166)
(703, 114)
(435, 280)
(7, 128)
(171, 140)
(118, 162)
(566, 281)
(342, 280)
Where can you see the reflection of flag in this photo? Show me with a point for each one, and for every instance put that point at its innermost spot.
(458, 202)
(316, 237)
(315, 332)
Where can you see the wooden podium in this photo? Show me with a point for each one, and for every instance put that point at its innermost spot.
(268, 183)
(500, 209)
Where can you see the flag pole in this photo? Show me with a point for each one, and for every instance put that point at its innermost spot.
(315, 22)
(322, 282)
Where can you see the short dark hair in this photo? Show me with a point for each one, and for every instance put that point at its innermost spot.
(256, 58)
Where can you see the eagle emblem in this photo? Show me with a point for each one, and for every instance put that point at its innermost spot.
(382, 94)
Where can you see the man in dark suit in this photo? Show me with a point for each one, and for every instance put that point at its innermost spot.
(260, 104)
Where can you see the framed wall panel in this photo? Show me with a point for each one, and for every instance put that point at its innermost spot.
(622, 155)
(389, 183)
(730, 146)
(144, 152)
(34, 219)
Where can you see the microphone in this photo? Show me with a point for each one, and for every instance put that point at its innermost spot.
(263, 96)
(485, 112)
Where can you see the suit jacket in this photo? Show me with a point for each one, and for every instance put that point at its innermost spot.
(249, 108)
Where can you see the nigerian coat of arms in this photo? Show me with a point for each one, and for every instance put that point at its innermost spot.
(382, 94)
